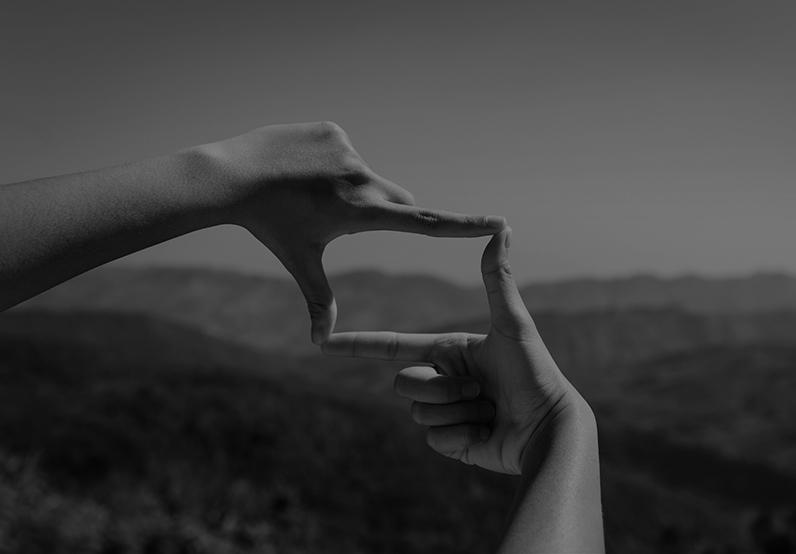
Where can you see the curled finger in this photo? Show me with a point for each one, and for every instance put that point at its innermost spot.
(470, 411)
(453, 440)
(424, 384)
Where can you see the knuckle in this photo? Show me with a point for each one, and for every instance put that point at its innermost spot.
(474, 221)
(317, 307)
(428, 219)
(504, 269)
(328, 129)
(461, 340)
(392, 346)
(353, 169)
(443, 345)
(497, 278)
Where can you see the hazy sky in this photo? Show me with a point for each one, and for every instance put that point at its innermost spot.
(615, 136)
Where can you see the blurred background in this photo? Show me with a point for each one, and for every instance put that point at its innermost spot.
(643, 155)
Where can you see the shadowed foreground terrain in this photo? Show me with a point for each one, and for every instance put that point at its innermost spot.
(126, 434)
(123, 430)
(133, 453)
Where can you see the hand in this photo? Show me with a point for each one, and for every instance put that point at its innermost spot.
(482, 397)
(298, 187)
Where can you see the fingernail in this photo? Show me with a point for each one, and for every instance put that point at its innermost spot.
(471, 389)
(508, 237)
(496, 221)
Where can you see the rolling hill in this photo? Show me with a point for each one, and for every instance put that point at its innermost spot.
(121, 432)
(264, 312)
(589, 346)
(125, 389)
(269, 313)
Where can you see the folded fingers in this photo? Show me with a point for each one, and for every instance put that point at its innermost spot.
(424, 384)
(450, 406)
(455, 440)
(469, 411)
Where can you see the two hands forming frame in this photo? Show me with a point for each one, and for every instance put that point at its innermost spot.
(498, 401)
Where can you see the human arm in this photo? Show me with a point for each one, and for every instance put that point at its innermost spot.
(558, 508)
(294, 187)
(499, 401)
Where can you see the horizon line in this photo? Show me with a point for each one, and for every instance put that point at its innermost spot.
(638, 274)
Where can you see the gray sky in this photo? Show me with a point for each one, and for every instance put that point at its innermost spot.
(616, 137)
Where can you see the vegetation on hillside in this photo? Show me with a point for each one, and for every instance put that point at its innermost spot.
(124, 433)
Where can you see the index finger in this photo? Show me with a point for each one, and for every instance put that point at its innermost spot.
(383, 345)
(389, 216)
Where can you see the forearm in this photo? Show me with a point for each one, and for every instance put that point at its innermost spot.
(55, 228)
(558, 508)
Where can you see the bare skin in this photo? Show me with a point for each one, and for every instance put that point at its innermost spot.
(294, 187)
(499, 401)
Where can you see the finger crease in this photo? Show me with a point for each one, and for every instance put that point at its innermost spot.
(392, 346)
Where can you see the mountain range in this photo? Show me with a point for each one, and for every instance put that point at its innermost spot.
(269, 313)
(124, 388)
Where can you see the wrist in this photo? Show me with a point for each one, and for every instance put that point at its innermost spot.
(576, 411)
(570, 420)
(209, 184)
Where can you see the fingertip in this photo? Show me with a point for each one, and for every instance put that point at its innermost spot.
(431, 438)
(396, 383)
(495, 251)
(496, 222)
(502, 241)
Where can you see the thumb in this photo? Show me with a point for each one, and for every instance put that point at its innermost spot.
(509, 315)
(311, 278)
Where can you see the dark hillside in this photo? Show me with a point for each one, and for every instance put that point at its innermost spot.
(134, 452)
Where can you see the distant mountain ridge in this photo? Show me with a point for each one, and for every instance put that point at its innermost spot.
(758, 292)
(587, 344)
(266, 312)
(269, 312)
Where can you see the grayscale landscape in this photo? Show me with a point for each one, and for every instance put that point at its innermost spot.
(185, 410)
